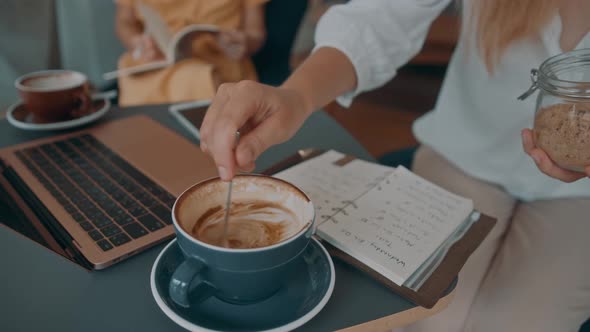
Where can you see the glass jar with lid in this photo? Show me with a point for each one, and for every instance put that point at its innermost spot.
(562, 114)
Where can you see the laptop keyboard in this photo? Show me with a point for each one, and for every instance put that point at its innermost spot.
(109, 198)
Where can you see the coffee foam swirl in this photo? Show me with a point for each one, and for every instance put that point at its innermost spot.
(252, 224)
(263, 201)
(53, 81)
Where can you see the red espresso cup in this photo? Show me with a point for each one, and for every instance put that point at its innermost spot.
(53, 95)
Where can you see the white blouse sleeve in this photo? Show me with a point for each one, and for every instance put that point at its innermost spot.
(378, 36)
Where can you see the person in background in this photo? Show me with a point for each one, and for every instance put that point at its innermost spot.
(215, 58)
(532, 272)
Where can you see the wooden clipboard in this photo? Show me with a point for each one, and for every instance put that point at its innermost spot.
(443, 276)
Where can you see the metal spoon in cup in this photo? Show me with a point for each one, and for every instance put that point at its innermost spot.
(224, 242)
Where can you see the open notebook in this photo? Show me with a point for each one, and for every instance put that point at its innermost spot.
(390, 222)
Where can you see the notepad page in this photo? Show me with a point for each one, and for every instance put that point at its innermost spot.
(331, 187)
(394, 227)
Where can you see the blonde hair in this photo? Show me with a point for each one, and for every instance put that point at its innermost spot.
(499, 23)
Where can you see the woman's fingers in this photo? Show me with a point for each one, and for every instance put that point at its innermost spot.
(544, 163)
(151, 51)
(231, 36)
(217, 105)
(547, 166)
(233, 43)
(264, 115)
(265, 135)
(233, 107)
(248, 168)
(527, 141)
(222, 150)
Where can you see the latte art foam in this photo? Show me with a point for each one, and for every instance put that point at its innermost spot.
(252, 224)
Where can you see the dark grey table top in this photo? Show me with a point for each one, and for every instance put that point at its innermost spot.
(40, 290)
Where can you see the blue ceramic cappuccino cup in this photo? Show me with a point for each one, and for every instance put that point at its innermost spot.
(271, 223)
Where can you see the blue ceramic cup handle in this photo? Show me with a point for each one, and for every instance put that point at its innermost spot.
(187, 285)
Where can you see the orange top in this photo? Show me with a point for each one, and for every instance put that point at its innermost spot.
(179, 13)
(165, 85)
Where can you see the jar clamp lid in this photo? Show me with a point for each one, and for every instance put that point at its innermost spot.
(564, 75)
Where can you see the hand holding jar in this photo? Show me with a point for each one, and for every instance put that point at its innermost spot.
(560, 140)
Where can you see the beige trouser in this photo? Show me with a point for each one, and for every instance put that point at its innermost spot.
(532, 273)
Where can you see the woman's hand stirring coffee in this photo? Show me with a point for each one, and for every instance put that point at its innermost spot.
(266, 115)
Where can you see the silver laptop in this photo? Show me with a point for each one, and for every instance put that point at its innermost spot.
(99, 195)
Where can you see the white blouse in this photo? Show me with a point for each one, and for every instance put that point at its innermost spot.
(477, 119)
